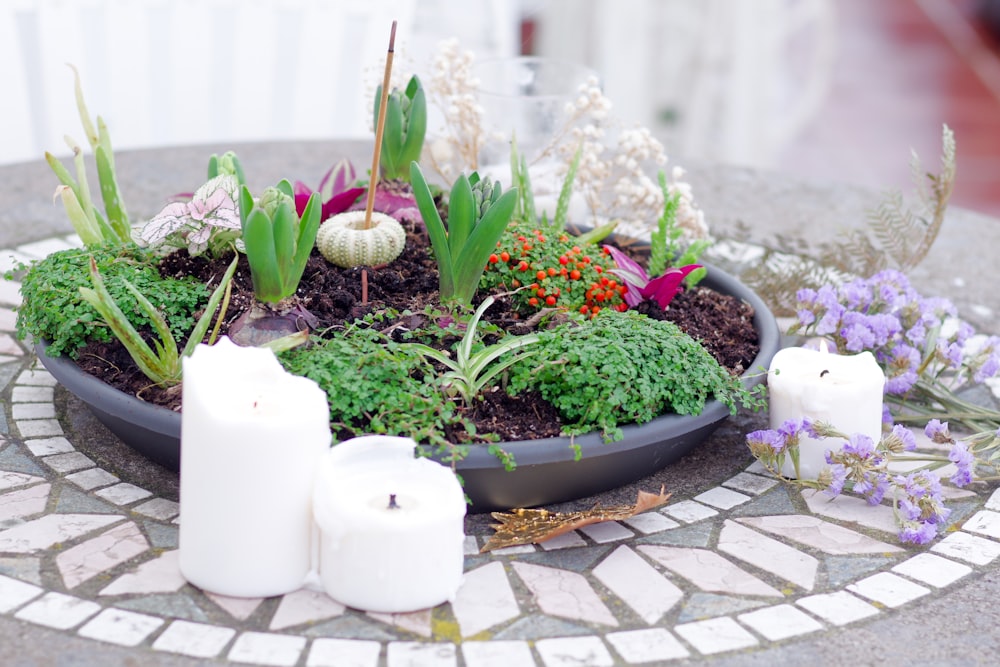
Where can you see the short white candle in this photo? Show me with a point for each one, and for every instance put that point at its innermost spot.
(384, 558)
(844, 391)
(252, 436)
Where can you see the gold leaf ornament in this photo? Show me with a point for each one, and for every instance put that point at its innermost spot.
(531, 526)
(343, 240)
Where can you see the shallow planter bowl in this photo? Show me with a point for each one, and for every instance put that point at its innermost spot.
(546, 470)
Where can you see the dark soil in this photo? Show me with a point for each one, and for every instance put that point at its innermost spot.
(333, 296)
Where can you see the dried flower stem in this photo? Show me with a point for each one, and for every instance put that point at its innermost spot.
(380, 128)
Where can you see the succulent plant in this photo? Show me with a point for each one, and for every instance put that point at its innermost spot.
(344, 241)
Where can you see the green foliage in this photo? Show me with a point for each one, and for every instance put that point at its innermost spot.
(278, 243)
(665, 249)
(405, 127)
(227, 164)
(163, 365)
(478, 213)
(53, 310)
(621, 368)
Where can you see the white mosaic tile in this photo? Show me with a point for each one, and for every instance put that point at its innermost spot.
(9, 346)
(326, 652)
(819, 534)
(45, 531)
(239, 608)
(716, 635)
(37, 377)
(419, 654)
(10, 293)
(515, 551)
(14, 593)
(485, 599)
(47, 446)
(757, 468)
(649, 523)
(688, 511)
(59, 611)
(158, 508)
(888, 589)
(970, 548)
(574, 651)
(197, 640)
(708, 570)
(8, 317)
(638, 584)
(839, 608)
(24, 503)
(68, 462)
(417, 622)
(39, 428)
(304, 606)
(118, 626)
(752, 484)
(934, 570)
(470, 547)
(92, 478)
(722, 498)
(12, 480)
(647, 646)
(123, 494)
(44, 248)
(849, 508)
(21, 411)
(564, 594)
(89, 559)
(768, 554)
(993, 502)
(262, 648)
(497, 654)
(780, 622)
(568, 540)
(160, 575)
(985, 523)
(607, 531)
(32, 394)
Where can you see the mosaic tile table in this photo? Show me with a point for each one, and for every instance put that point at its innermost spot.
(740, 566)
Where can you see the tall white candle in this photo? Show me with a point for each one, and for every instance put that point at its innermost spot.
(252, 436)
(844, 391)
(392, 526)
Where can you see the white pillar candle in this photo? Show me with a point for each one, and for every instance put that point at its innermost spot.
(392, 526)
(252, 436)
(844, 391)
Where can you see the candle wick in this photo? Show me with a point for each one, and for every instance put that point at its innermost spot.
(392, 502)
(823, 373)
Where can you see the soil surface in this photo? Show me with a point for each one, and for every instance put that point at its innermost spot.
(334, 296)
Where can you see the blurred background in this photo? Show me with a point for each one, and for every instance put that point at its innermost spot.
(827, 90)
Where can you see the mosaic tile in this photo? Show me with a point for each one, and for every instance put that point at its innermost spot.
(22, 411)
(537, 626)
(47, 446)
(418, 654)
(888, 589)
(68, 462)
(993, 502)
(578, 559)
(304, 606)
(640, 586)
(417, 622)
(10, 293)
(646, 646)
(8, 317)
(715, 635)
(117, 626)
(344, 653)
(648, 523)
(45, 531)
(497, 654)
(688, 511)
(934, 570)
(13, 480)
(839, 608)
(38, 377)
(24, 502)
(752, 484)
(470, 546)
(768, 554)
(574, 651)
(160, 575)
(170, 605)
(607, 531)
(699, 606)
(27, 569)
(261, 648)
(564, 594)
(484, 600)
(13, 460)
(350, 627)
(9, 346)
(709, 571)
(984, 522)
(161, 536)
(780, 622)
(722, 498)
(849, 508)
(14, 593)
(32, 394)
(38, 428)
(158, 508)
(514, 551)
(92, 479)
(239, 608)
(88, 559)
(698, 535)
(963, 546)
(194, 639)
(564, 541)
(59, 611)
(42, 249)
(841, 570)
(823, 535)
(72, 501)
(123, 494)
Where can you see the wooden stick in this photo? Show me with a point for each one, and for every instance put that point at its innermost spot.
(380, 128)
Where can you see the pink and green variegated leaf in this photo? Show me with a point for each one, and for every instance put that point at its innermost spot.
(337, 179)
(663, 289)
(173, 218)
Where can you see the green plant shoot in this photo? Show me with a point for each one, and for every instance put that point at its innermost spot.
(162, 365)
(278, 242)
(664, 242)
(478, 213)
(468, 373)
(226, 164)
(405, 127)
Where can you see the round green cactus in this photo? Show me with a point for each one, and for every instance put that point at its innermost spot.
(344, 241)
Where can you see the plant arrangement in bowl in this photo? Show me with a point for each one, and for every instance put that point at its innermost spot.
(544, 364)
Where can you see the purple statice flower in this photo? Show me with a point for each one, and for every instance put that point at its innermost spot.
(873, 486)
(964, 462)
(989, 367)
(856, 331)
(791, 428)
(901, 368)
(830, 322)
(856, 295)
(838, 474)
(769, 438)
(916, 532)
(861, 446)
(806, 317)
(900, 439)
(951, 353)
(887, 417)
(938, 431)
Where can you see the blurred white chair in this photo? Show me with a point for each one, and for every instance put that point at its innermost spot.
(168, 72)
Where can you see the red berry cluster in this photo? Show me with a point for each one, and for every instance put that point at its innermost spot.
(555, 271)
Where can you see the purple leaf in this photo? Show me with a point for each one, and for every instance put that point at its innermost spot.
(302, 193)
(339, 203)
(337, 180)
(663, 289)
